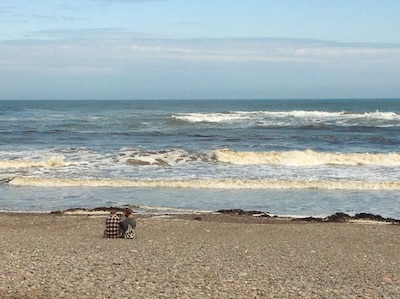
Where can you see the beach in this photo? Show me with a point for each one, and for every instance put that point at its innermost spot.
(54, 255)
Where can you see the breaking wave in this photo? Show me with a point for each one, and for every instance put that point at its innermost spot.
(295, 118)
(162, 158)
(206, 183)
(177, 157)
(307, 158)
(54, 161)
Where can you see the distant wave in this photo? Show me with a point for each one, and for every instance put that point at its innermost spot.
(295, 118)
(307, 158)
(205, 183)
(217, 117)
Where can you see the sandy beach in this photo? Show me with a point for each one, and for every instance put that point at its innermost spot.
(197, 256)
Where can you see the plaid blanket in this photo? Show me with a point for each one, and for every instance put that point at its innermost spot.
(112, 227)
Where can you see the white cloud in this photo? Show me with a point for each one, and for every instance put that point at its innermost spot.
(263, 50)
(113, 63)
(98, 52)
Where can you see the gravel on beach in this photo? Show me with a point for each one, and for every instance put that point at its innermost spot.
(197, 256)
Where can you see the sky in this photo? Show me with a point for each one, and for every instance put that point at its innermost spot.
(199, 49)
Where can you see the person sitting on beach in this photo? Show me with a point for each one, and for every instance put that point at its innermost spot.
(113, 229)
(129, 220)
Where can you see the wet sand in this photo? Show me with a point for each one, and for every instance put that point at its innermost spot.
(197, 256)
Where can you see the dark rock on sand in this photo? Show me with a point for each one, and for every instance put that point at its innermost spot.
(338, 217)
(241, 212)
(368, 216)
(343, 217)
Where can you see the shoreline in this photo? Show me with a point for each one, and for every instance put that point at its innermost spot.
(235, 215)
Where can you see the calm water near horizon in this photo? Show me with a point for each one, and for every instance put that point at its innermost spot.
(286, 157)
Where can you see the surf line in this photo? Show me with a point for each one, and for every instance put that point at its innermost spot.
(205, 183)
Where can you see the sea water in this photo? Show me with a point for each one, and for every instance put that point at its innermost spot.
(286, 157)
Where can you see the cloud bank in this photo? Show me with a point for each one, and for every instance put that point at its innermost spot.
(133, 66)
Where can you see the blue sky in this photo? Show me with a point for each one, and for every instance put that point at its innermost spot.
(203, 49)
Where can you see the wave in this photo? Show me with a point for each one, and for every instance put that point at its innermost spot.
(298, 118)
(205, 183)
(217, 117)
(177, 157)
(287, 158)
(307, 158)
(54, 161)
(163, 158)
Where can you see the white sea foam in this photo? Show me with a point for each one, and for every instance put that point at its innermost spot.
(177, 157)
(54, 161)
(307, 158)
(165, 157)
(295, 117)
(212, 117)
(207, 183)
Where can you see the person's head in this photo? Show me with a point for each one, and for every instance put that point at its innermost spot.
(128, 212)
(113, 211)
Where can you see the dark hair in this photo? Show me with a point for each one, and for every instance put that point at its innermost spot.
(128, 211)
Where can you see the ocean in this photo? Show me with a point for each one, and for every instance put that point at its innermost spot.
(284, 157)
